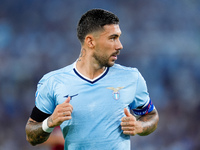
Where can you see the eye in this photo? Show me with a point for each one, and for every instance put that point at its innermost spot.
(113, 38)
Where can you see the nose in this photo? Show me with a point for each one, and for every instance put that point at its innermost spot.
(119, 45)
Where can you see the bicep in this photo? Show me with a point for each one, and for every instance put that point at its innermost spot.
(44, 97)
(141, 97)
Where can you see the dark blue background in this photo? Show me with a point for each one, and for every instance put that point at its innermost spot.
(160, 37)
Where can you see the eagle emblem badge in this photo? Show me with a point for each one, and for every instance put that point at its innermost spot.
(116, 94)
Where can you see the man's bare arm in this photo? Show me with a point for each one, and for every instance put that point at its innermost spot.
(34, 133)
(149, 122)
(142, 125)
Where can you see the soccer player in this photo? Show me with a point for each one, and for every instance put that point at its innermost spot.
(92, 98)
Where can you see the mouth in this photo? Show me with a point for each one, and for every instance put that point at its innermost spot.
(114, 55)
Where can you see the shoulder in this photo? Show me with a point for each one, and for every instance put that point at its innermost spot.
(124, 69)
(125, 72)
(57, 73)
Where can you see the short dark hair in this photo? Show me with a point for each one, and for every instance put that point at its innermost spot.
(94, 20)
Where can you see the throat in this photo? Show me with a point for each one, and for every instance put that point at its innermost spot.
(89, 72)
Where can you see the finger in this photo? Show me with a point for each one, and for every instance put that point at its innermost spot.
(125, 119)
(67, 100)
(68, 117)
(126, 112)
(64, 118)
(132, 133)
(124, 124)
(64, 107)
(70, 109)
(127, 128)
(67, 113)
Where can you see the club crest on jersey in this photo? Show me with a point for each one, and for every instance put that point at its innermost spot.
(116, 94)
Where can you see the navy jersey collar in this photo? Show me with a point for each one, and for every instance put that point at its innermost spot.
(87, 79)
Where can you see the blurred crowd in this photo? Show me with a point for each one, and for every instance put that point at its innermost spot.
(160, 37)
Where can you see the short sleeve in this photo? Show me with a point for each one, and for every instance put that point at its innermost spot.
(44, 100)
(141, 94)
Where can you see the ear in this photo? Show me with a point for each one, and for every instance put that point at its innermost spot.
(90, 41)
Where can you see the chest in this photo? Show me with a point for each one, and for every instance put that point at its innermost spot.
(87, 98)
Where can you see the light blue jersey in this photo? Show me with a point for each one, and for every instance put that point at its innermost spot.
(98, 105)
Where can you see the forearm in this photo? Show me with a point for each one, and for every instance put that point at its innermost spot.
(149, 122)
(34, 133)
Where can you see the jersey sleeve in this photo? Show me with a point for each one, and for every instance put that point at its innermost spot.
(142, 103)
(44, 100)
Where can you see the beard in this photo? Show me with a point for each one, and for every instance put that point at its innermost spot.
(104, 60)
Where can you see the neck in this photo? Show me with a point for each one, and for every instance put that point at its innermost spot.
(87, 66)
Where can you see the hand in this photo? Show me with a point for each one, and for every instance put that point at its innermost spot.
(61, 113)
(130, 125)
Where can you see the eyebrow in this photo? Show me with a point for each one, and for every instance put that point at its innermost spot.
(114, 35)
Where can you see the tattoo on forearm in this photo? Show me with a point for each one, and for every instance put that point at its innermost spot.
(149, 122)
(35, 134)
